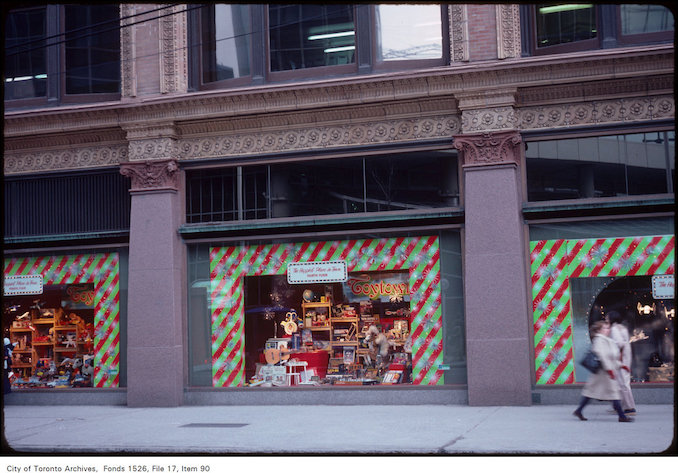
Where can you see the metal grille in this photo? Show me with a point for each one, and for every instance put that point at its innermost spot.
(66, 204)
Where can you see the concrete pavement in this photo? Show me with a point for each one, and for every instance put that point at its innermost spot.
(358, 430)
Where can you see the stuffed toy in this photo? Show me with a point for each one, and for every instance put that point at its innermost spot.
(378, 344)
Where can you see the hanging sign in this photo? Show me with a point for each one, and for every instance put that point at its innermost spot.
(23, 285)
(317, 272)
(663, 286)
(385, 286)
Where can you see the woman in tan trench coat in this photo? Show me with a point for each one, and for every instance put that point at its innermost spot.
(602, 384)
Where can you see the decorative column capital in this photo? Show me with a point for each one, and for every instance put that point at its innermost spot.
(152, 176)
(489, 148)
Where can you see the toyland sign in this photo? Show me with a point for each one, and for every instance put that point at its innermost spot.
(389, 286)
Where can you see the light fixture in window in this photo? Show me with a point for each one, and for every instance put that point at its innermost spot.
(339, 34)
(562, 8)
(645, 309)
(339, 49)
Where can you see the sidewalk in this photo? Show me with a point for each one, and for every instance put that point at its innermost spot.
(355, 430)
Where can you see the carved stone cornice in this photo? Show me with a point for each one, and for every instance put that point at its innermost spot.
(157, 141)
(598, 66)
(320, 137)
(488, 149)
(508, 30)
(458, 21)
(152, 176)
(625, 110)
(58, 159)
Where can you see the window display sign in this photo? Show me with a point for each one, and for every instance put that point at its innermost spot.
(317, 271)
(23, 285)
(663, 287)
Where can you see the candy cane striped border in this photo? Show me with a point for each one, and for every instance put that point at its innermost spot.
(420, 255)
(554, 262)
(101, 269)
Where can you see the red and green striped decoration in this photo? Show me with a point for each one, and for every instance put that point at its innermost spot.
(554, 262)
(420, 255)
(102, 270)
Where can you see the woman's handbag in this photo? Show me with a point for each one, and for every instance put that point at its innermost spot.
(591, 362)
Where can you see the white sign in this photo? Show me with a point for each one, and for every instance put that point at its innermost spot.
(317, 271)
(23, 285)
(663, 286)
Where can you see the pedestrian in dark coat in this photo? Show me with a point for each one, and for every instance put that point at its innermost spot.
(7, 367)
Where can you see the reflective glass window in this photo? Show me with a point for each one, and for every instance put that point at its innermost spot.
(641, 19)
(25, 68)
(306, 35)
(565, 23)
(604, 166)
(226, 38)
(424, 34)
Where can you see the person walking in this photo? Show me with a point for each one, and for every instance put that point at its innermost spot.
(7, 349)
(602, 385)
(620, 334)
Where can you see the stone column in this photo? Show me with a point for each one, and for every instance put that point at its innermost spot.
(156, 293)
(495, 270)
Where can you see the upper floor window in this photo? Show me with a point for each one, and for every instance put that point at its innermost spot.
(558, 28)
(423, 180)
(62, 53)
(238, 44)
(601, 166)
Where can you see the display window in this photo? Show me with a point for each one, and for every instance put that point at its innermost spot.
(576, 282)
(355, 312)
(61, 313)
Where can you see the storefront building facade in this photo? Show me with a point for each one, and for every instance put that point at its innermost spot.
(226, 226)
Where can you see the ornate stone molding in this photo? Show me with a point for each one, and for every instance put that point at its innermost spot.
(508, 30)
(35, 161)
(128, 73)
(148, 176)
(154, 141)
(458, 20)
(636, 109)
(489, 148)
(320, 137)
(173, 51)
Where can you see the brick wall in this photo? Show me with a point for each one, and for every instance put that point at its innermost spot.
(482, 32)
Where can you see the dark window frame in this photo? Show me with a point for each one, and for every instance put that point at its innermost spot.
(608, 19)
(56, 66)
(260, 73)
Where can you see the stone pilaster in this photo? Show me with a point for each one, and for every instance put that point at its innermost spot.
(495, 271)
(156, 293)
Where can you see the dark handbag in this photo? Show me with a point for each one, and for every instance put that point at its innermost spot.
(591, 362)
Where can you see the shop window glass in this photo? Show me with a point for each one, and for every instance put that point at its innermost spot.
(643, 19)
(648, 316)
(25, 72)
(92, 49)
(606, 166)
(66, 315)
(323, 187)
(323, 324)
(565, 23)
(226, 36)
(424, 32)
(305, 36)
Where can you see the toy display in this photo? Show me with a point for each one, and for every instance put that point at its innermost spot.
(54, 340)
(346, 342)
